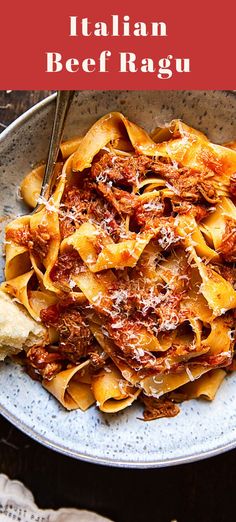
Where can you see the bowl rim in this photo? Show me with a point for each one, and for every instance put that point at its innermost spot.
(60, 448)
(26, 115)
(49, 99)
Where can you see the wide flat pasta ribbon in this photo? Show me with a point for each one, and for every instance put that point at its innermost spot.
(31, 186)
(110, 127)
(218, 292)
(213, 227)
(112, 255)
(111, 391)
(220, 338)
(189, 230)
(160, 384)
(194, 151)
(96, 291)
(48, 215)
(17, 256)
(205, 387)
(193, 302)
(18, 288)
(69, 391)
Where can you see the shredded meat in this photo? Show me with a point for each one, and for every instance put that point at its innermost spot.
(184, 207)
(129, 171)
(199, 212)
(157, 408)
(228, 244)
(212, 162)
(83, 203)
(166, 232)
(97, 357)
(75, 336)
(67, 265)
(232, 186)
(187, 183)
(147, 211)
(46, 363)
(36, 240)
(127, 338)
(21, 236)
(221, 360)
(67, 227)
(169, 311)
(50, 315)
(122, 201)
(227, 272)
(126, 170)
(41, 240)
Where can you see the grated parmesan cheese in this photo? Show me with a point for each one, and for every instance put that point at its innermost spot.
(72, 283)
(189, 374)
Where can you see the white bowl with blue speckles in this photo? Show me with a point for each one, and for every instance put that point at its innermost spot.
(201, 429)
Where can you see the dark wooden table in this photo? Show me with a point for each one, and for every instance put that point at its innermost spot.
(202, 491)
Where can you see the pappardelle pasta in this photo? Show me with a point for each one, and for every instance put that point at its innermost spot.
(129, 266)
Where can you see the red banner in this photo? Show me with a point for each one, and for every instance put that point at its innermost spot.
(127, 45)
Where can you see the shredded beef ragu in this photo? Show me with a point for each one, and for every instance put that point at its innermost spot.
(45, 363)
(144, 211)
(97, 357)
(36, 241)
(67, 227)
(120, 170)
(184, 207)
(157, 408)
(228, 244)
(139, 306)
(83, 203)
(228, 273)
(129, 171)
(232, 186)
(20, 236)
(67, 265)
(75, 336)
(122, 201)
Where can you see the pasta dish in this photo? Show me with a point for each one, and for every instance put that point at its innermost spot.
(129, 267)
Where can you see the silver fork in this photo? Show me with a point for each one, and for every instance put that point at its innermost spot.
(63, 102)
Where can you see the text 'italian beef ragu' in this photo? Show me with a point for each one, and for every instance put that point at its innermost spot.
(129, 268)
(125, 61)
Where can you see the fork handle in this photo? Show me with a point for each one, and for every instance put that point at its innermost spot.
(63, 101)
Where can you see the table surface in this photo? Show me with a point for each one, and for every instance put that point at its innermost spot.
(201, 491)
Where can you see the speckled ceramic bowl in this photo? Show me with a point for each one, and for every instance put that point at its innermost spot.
(202, 429)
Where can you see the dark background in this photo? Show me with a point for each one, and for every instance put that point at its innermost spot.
(203, 491)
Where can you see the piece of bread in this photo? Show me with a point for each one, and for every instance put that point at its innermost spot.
(18, 330)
